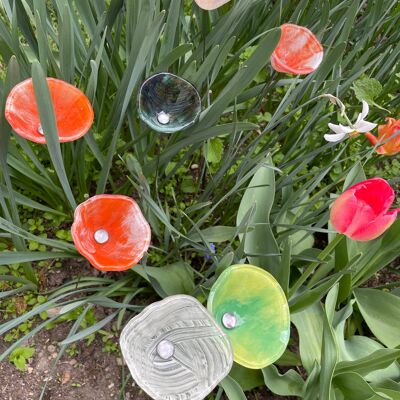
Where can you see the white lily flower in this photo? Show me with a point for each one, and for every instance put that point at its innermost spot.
(360, 126)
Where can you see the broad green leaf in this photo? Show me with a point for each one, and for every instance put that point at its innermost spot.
(367, 89)
(287, 384)
(247, 378)
(260, 243)
(214, 149)
(172, 279)
(381, 311)
(308, 324)
(232, 389)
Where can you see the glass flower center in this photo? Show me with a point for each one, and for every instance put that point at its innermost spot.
(165, 349)
(229, 320)
(101, 236)
(163, 118)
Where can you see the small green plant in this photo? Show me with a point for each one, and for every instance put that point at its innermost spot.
(20, 356)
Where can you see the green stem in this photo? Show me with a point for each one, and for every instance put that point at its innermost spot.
(322, 256)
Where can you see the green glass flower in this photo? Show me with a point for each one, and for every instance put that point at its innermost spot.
(250, 306)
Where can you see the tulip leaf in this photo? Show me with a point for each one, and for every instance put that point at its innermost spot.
(172, 279)
(260, 243)
(308, 324)
(247, 378)
(353, 386)
(288, 384)
(381, 311)
(232, 389)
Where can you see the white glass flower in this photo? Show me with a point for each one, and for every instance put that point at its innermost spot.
(360, 126)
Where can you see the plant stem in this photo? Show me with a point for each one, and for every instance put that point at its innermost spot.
(322, 256)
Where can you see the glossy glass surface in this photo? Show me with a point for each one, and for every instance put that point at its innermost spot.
(261, 327)
(168, 103)
(298, 51)
(111, 232)
(211, 4)
(72, 109)
(175, 350)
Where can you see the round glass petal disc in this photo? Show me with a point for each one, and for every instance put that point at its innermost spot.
(175, 350)
(252, 310)
(168, 103)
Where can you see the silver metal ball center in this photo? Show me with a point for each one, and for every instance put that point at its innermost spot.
(165, 349)
(101, 236)
(163, 118)
(40, 129)
(229, 320)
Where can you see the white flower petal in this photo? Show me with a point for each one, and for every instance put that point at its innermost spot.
(365, 109)
(339, 129)
(364, 112)
(364, 126)
(335, 138)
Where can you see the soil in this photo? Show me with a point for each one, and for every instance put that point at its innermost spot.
(89, 373)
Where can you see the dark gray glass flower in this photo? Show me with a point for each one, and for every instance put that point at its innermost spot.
(168, 103)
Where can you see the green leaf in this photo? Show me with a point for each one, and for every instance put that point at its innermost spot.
(172, 279)
(260, 243)
(381, 311)
(48, 122)
(354, 387)
(367, 89)
(308, 324)
(232, 389)
(377, 360)
(287, 384)
(214, 149)
(247, 378)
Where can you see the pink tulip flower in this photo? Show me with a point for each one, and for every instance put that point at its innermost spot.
(362, 211)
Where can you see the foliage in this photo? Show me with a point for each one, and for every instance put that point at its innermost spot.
(20, 356)
(251, 181)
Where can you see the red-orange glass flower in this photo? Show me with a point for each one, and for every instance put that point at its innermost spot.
(362, 211)
(391, 145)
(111, 232)
(298, 51)
(72, 109)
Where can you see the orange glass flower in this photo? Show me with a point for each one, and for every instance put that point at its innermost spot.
(111, 232)
(390, 145)
(73, 111)
(298, 51)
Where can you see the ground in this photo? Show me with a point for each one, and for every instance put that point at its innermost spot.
(89, 373)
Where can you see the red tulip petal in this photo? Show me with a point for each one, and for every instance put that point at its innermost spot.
(375, 192)
(343, 210)
(298, 51)
(375, 228)
(129, 232)
(73, 111)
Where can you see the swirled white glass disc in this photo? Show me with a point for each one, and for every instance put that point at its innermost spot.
(175, 350)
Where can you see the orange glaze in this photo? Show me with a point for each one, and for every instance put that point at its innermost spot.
(129, 232)
(73, 111)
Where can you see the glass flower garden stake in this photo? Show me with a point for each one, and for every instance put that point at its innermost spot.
(168, 103)
(388, 136)
(73, 111)
(111, 232)
(362, 211)
(250, 306)
(175, 350)
(211, 4)
(298, 51)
